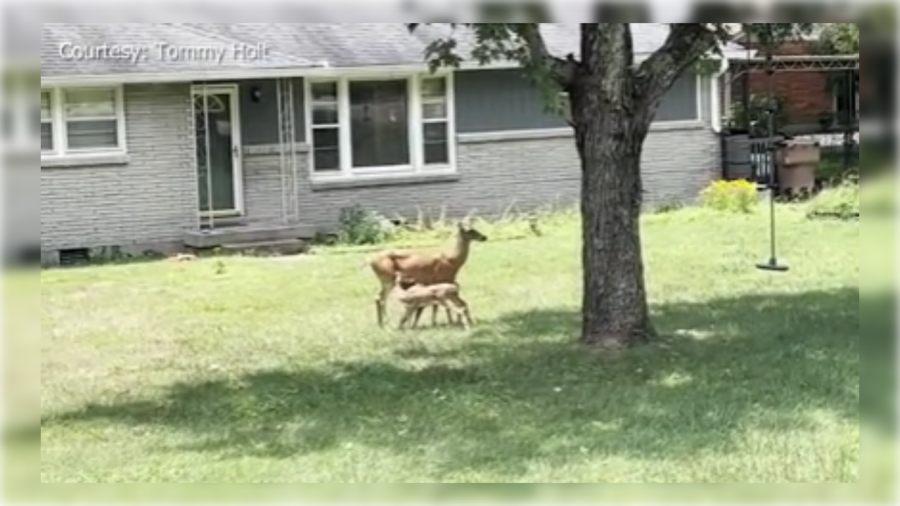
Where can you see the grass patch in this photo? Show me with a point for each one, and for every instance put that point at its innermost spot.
(840, 201)
(424, 230)
(262, 370)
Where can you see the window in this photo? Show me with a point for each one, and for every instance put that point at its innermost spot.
(681, 101)
(846, 98)
(46, 122)
(679, 104)
(435, 126)
(91, 121)
(379, 123)
(80, 121)
(380, 126)
(325, 127)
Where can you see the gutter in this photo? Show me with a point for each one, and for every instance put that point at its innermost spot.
(715, 89)
(321, 69)
(716, 99)
(179, 77)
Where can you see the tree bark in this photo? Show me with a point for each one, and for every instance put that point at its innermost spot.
(610, 125)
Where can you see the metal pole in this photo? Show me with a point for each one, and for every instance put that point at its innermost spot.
(772, 264)
(848, 119)
(279, 98)
(770, 146)
(195, 155)
(295, 198)
(209, 189)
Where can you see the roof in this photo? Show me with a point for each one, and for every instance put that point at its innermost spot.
(291, 46)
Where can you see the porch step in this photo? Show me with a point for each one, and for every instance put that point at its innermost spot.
(243, 234)
(282, 247)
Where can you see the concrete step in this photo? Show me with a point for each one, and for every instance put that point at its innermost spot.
(280, 247)
(212, 238)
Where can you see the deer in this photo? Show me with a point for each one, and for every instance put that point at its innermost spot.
(421, 267)
(417, 297)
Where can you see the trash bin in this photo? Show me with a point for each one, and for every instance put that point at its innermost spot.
(797, 162)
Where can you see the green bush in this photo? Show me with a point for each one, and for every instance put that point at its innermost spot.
(841, 201)
(359, 227)
(738, 196)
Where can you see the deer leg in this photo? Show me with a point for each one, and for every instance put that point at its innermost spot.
(379, 312)
(409, 313)
(464, 312)
(464, 319)
(434, 311)
(381, 302)
(419, 310)
(452, 308)
(450, 319)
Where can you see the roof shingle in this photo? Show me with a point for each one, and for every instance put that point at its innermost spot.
(291, 45)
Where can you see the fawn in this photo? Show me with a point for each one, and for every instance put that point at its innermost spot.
(416, 297)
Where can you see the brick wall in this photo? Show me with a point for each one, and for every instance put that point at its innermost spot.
(495, 174)
(148, 200)
(806, 93)
(143, 202)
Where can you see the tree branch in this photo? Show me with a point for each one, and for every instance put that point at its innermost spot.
(686, 43)
(561, 70)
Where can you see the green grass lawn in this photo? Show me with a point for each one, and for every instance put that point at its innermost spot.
(272, 370)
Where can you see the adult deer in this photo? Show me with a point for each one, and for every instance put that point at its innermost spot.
(421, 267)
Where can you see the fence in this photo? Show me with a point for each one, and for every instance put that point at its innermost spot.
(746, 157)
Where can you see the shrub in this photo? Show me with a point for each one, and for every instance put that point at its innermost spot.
(358, 227)
(841, 201)
(738, 196)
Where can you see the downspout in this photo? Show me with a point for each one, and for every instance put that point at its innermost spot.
(716, 99)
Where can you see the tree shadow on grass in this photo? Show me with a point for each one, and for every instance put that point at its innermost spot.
(517, 391)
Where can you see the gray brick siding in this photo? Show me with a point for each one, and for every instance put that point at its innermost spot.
(146, 201)
(494, 175)
(149, 200)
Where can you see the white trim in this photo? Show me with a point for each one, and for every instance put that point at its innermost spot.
(416, 136)
(561, 132)
(320, 71)
(451, 121)
(698, 84)
(237, 170)
(416, 165)
(715, 106)
(59, 126)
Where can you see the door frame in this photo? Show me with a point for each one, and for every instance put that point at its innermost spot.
(233, 92)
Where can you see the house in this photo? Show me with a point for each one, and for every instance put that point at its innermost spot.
(157, 136)
(815, 94)
(818, 99)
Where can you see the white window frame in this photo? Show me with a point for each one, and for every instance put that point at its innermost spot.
(60, 126)
(415, 120)
(53, 140)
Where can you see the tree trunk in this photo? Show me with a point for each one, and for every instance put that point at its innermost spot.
(615, 313)
(610, 127)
